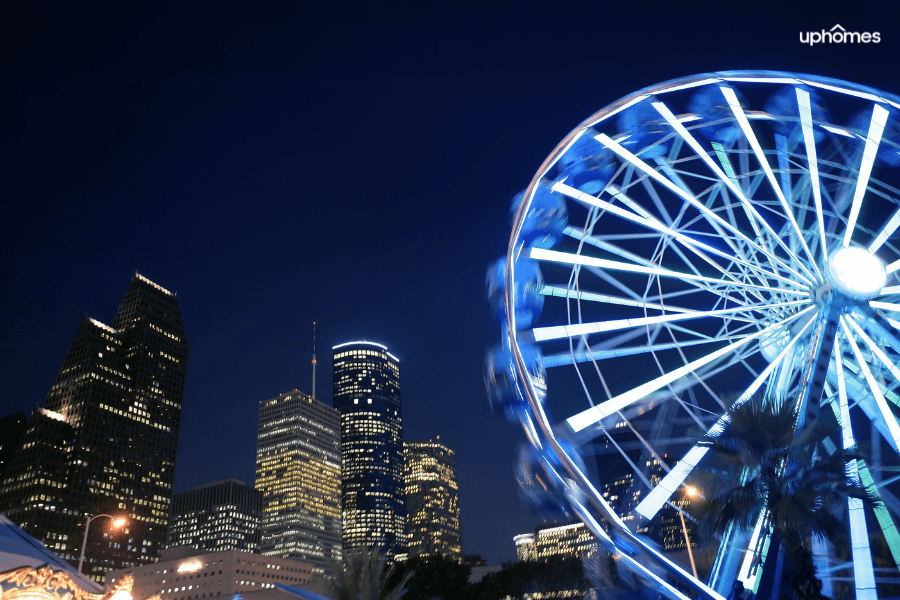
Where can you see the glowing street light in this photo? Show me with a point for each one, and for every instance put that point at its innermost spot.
(116, 523)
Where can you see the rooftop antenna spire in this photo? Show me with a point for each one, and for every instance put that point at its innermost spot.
(314, 362)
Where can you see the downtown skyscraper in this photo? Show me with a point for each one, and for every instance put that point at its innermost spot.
(367, 394)
(432, 500)
(216, 517)
(298, 471)
(106, 438)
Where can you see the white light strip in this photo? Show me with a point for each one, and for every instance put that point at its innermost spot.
(885, 305)
(863, 573)
(876, 350)
(894, 289)
(744, 575)
(846, 429)
(688, 86)
(873, 139)
(596, 413)
(659, 495)
(892, 267)
(556, 332)
(809, 141)
(886, 232)
(836, 130)
(887, 415)
(359, 342)
(628, 104)
(790, 80)
(735, 105)
(602, 263)
(732, 185)
(566, 358)
(825, 86)
(561, 292)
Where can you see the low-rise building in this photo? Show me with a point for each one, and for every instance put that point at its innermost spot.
(181, 575)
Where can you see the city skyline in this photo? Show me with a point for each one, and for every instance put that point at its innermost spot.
(287, 165)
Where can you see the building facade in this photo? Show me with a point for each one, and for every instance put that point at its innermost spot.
(298, 471)
(181, 575)
(432, 500)
(573, 540)
(219, 516)
(367, 395)
(106, 439)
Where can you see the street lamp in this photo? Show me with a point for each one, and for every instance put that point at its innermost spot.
(117, 522)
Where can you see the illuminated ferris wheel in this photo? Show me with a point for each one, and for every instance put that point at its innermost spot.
(692, 245)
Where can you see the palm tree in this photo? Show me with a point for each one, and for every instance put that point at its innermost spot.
(762, 464)
(365, 575)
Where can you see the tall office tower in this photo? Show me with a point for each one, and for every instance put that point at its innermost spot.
(367, 394)
(219, 516)
(298, 470)
(432, 500)
(106, 438)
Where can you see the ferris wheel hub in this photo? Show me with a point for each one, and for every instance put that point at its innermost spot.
(857, 272)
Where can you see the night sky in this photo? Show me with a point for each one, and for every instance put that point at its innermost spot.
(279, 164)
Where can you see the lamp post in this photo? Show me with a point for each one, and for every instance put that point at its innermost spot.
(117, 522)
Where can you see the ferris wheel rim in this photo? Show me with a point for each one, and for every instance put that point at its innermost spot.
(540, 419)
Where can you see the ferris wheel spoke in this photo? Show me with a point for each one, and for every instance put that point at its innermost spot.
(873, 140)
(602, 263)
(887, 231)
(864, 575)
(873, 347)
(877, 330)
(613, 405)
(542, 334)
(882, 514)
(809, 141)
(659, 495)
(735, 105)
(891, 429)
(579, 235)
(568, 358)
(563, 292)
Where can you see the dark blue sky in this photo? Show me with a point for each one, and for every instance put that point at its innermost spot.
(277, 164)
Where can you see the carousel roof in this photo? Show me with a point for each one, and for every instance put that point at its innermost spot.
(18, 549)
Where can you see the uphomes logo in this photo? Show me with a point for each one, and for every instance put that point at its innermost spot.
(839, 35)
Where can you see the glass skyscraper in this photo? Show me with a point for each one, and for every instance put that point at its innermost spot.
(367, 394)
(106, 439)
(432, 500)
(218, 516)
(298, 470)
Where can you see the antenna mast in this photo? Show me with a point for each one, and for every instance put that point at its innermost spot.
(314, 362)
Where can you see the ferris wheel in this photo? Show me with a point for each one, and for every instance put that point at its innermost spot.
(690, 246)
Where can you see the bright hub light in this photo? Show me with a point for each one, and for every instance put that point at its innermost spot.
(119, 522)
(857, 272)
